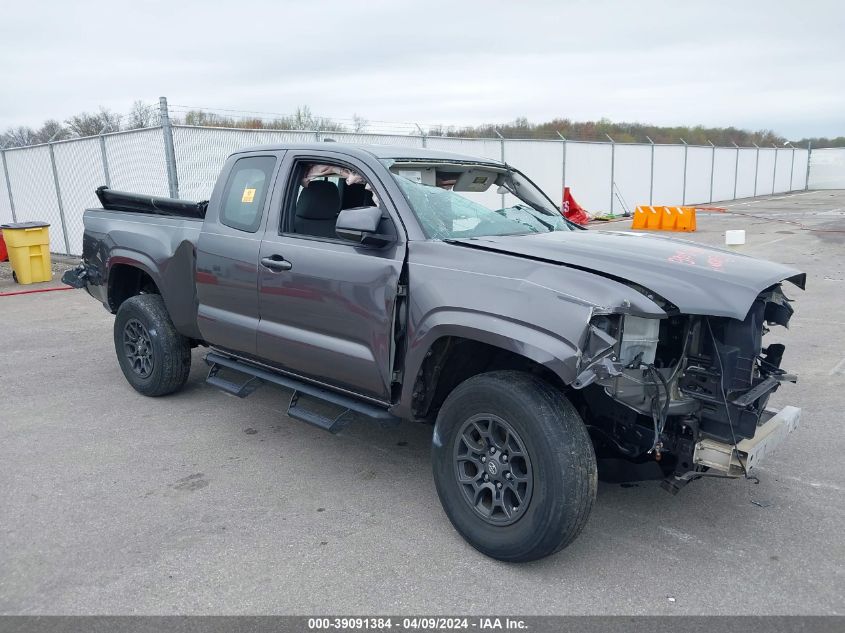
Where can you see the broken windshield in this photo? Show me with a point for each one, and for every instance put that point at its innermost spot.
(462, 201)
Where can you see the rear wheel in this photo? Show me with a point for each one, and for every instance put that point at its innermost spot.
(513, 465)
(154, 357)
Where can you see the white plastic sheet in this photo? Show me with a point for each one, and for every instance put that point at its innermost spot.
(724, 170)
(668, 175)
(201, 152)
(783, 162)
(745, 178)
(632, 174)
(699, 160)
(588, 175)
(374, 139)
(541, 161)
(766, 172)
(827, 168)
(79, 166)
(5, 202)
(799, 170)
(136, 161)
(35, 194)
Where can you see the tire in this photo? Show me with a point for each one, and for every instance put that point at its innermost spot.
(154, 357)
(556, 478)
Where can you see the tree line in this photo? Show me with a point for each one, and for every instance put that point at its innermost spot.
(636, 133)
(80, 125)
(142, 115)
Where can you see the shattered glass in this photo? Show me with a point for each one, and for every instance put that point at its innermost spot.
(445, 214)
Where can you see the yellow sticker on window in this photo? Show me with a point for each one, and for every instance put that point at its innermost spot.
(249, 195)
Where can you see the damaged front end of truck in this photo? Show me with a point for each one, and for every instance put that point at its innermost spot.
(677, 387)
(685, 396)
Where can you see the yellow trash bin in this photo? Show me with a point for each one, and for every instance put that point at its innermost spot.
(28, 244)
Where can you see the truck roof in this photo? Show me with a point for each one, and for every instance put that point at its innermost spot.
(379, 151)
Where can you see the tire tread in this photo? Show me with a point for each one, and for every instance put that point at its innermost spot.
(175, 359)
(550, 408)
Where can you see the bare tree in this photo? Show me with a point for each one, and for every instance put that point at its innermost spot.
(359, 124)
(91, 124)
(18, 136)
(52, 130)
(304, 119)
(140, 116)
(207, 119)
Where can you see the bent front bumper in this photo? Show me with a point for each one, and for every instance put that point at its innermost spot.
(773, 429)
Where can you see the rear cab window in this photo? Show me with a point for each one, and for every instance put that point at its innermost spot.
(246, 191)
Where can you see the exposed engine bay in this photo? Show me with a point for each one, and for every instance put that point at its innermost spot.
(687, 392)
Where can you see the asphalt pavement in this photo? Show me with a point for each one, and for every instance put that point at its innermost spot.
(199, 502)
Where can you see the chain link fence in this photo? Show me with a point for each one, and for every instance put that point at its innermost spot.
(55, 182)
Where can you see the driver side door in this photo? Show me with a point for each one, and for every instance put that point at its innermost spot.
(327, 305)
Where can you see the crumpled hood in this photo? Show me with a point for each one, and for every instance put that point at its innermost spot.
(697, 279)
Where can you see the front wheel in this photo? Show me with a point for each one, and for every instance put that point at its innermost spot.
(154, 357)
(513, 465)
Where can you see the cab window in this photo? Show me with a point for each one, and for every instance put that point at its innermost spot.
(322, 191)
(243, 197)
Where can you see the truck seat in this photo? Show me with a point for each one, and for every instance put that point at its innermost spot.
(317, 209)
(356, 195)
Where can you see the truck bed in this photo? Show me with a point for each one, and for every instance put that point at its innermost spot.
(162, 246)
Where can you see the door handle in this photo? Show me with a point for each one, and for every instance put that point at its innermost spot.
(276, 262)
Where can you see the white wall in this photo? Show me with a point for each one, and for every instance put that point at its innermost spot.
(31, 175)
(588, 174)
(136, 163)
(827, 168)
(632, 168)
(668, 175)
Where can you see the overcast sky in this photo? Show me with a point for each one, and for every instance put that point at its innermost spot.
(772, 64)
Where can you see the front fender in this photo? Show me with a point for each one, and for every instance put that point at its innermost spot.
(545, 348)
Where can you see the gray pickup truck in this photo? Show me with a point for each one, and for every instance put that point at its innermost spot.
(390, 283)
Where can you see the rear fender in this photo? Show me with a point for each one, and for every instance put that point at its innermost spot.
(121, 256)
(177, 290)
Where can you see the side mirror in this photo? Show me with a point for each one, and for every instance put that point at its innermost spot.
(361, 226)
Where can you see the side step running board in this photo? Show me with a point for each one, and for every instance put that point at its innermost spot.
(257, 376)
